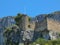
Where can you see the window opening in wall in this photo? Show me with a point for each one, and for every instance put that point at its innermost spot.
(29, 26)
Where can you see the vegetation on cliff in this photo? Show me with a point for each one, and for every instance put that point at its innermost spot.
(42, 41)
(12, 35)
(18, 18)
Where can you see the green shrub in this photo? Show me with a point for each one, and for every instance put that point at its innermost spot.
(46, 42)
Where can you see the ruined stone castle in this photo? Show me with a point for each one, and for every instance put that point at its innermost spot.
(45, 26)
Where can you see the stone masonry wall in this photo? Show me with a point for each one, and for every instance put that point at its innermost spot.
(26, 24)
(53, 24)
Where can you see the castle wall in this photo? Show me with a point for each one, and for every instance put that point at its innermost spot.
(26, 24)
(53, 26)
(53, 23)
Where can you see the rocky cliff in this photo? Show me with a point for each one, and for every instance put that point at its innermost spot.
(45, 26)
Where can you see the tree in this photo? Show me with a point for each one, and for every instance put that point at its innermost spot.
(18, 18)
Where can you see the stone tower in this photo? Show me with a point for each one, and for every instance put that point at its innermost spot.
(27, 24)
(27, 27)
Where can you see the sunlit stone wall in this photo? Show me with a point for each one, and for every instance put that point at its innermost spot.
(53, 23)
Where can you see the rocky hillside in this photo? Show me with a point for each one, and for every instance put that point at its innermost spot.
(45, 26)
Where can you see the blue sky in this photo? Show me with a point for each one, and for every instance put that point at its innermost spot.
(29, 7)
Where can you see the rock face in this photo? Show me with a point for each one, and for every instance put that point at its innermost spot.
(53, 25)
(41, 24)
(4, 23)
(54, 35)
(28, 35)
(45, 26)
(1, 34)
(8, 21)
(2, 40)
(41, 28)
(12, 36)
